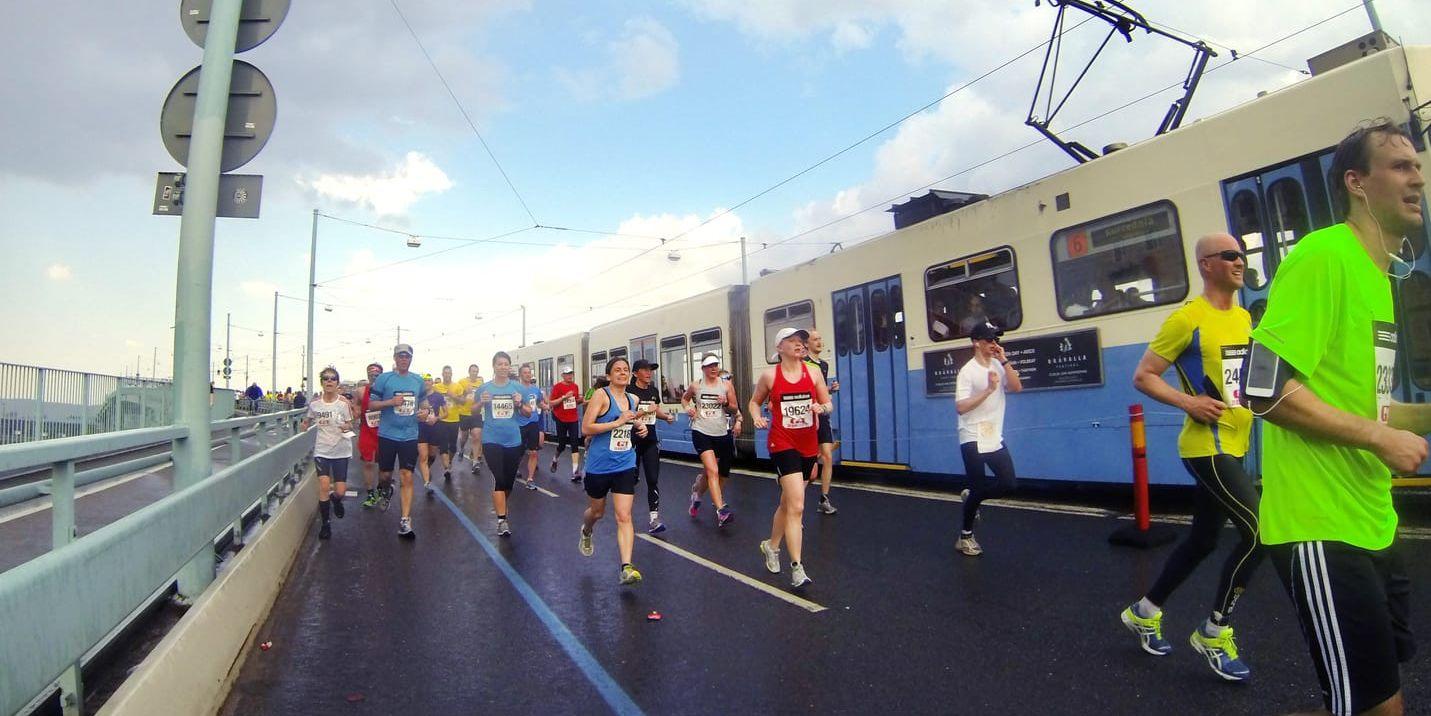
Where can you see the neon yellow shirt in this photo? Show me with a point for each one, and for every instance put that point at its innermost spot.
(1206, 347)
(1330, 316)
(455, 402)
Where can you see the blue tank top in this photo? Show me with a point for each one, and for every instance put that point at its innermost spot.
(611, 451)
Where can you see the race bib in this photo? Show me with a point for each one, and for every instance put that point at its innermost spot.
(569, 402)
(1232, 357)
(503, 407)
(710, 407)
(649, 418)
(1385, 337)
(326, 420)
(987, 437)
(408, 406)
(532, 402)
(372, 417)
(797, 411)
(621, 438)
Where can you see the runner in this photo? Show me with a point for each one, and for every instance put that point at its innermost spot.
(474, 428)
(1206, 340)
(398, 393)
(429, 430)
(825, 469)
(979, 399)
(368, 437)
(465, 387)
(450, 424)
(710, 403)
(502, 401)
(648, 446)
(565, 398)
(611, 462)
(531, 422)
(333, 415)
(797, 394)
(1320, 370)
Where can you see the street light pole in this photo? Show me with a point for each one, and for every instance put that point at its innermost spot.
(228, 346)
(312, 285)
(274, 362)
(524, 326)
(744, 279)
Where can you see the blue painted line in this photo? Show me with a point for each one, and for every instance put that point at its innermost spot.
(615, 696)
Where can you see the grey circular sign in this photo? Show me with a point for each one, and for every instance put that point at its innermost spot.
(258, 20)
(253, 109)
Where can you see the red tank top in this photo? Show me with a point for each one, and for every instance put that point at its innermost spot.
(792, 410)
(368, 423)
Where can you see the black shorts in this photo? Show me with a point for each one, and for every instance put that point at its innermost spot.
(334, 467)
(503, 462)
(429, 434)
(532, 437)
(621, 483)
(403, 452)
(789, 462)
(827, 435)
(568, 433)
(723, 447)
(471, 421)
(1353, 605)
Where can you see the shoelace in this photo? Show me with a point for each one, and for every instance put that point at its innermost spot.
(1225, 643)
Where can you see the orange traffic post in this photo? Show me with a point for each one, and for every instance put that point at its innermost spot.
(1141, 532)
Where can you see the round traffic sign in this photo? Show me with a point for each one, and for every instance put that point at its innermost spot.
(228, 362)
(228, 372)
(253, 110)
(258, 20)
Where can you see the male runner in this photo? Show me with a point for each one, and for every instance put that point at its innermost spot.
(429, 430)
(474, 427)
(826, 467)
(332, 448)
(979, 399)
(1320, 369)
(565, 398)
(611, 463)
(450, 424)
(531, 422)
(648, 446)
(797, 394)
(1205, 341)
(502, 401)
(398, 393)
(709, 403)
(368, 437)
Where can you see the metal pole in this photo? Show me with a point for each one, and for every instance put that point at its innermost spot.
(228, 346)
(62, 532)
(273, 382)
(38, 424)
(84, 407)
(524, 327)
(246, 383)
(1371, 14)
(312, 284)
(194, 296)
(399, 340)
(744, 279)
(154, 367)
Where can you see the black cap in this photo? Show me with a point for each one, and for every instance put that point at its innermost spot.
(643, 363)
(985, 332)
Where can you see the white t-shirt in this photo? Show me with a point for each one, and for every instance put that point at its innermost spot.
(330, 418)
(984, 424)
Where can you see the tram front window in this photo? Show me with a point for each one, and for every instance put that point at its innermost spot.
(1124, 262)
(1247, 227)
(1290, 221)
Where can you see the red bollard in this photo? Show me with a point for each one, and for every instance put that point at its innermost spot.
(1141, 532)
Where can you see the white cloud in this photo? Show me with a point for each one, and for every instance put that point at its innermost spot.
(643, 61)
(389, 193)
(58, 272)
(850, 36)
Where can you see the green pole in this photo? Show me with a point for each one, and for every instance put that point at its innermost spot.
(194, 294)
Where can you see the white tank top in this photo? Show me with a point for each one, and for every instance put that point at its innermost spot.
(710, 414)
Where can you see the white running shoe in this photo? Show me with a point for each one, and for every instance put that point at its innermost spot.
(798, 578)
(587, 548)
(772, 557)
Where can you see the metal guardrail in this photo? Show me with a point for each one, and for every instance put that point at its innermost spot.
(62, 603)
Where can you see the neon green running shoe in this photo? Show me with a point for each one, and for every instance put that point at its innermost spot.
(1221, 654)
(1149, 631)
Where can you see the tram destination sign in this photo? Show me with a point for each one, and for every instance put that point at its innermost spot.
(1061, 360)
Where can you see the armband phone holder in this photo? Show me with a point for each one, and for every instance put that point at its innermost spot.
(1265, 373)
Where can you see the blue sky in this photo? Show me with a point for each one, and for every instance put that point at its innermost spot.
(639, 119)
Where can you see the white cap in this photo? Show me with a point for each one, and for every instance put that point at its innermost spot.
(567, 369)
(710, 360)
(787, 332)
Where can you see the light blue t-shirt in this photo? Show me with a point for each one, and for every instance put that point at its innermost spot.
(400, 422)
(533, 395)
(499, 417)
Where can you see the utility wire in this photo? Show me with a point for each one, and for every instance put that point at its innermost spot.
(491, 239)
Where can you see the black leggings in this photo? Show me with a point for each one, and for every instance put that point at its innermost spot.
(980, 486)
(648, 465)
(567, 434)
(1224, 491)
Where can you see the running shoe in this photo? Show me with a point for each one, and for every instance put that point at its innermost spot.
(772, 557)
(504, 529)
(798, 578)
(827, 508)
(724, 516)
(325, 531)
(447, 475)
(531, 484)
(969, 545)
(385, 499)
(656, 527)
(427, 486)
(371, 500)
(695, 504)
(476, 467)
(577, 476)
(1149, 631)
(587, 548)
(629, 575)
(338, 509)
(405, 528)
(1221, 654)
(964, 495)
(554, 466)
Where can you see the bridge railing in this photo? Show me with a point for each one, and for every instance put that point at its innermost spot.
(59, 605)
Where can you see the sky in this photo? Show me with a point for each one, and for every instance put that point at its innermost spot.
(639, 142)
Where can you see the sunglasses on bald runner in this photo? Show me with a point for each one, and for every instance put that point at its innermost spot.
(1228, 256)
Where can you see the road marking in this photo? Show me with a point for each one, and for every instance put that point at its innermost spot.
(546, 492)
(615, 697)
(780, 594)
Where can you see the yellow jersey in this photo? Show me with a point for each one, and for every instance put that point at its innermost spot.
(1206, 347)
(455, 400)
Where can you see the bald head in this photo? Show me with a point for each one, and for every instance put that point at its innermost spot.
(1216, 271)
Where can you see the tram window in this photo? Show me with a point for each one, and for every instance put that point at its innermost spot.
(857, 325)
(702, 343)
(1124, 262)
(1415, 300)
(795, 315)
(644, 348)
(960, 294)
(673, 368)
(896, 309)
(1247, 227)
(566, 360)
(1288, 209)
(879, 319)
(545, 372)
(842, 328)
(614, 353)
(598, 363)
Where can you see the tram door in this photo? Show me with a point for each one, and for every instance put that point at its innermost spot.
(872, 405)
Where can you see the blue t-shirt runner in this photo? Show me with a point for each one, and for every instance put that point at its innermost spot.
(533, 395)
(500, 415)
(399, 422)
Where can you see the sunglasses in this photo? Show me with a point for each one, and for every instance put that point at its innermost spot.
(1229, 256)
(329, 378)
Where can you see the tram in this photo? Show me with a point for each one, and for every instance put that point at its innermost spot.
(1079, 268)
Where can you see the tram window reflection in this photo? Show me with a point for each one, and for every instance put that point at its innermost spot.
(673, 368)
(1290, 221)
(1415, 300)
(968, 291)
(1124, 262)
(800, 314)
(1247, 228)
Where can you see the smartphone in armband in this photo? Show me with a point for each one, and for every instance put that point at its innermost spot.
(1264, 373)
